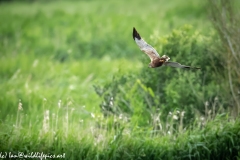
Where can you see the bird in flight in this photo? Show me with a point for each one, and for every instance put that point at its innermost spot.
(156, 60)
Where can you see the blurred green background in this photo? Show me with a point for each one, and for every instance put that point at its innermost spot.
(58, 50)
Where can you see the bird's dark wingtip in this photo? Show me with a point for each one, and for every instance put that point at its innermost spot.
(136, 34)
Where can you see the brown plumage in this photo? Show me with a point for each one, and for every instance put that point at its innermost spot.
(156, 60)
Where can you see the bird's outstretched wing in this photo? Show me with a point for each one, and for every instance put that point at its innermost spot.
(148, 49)
(178, 65)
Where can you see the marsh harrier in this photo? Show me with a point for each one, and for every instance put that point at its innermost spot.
(156, 60)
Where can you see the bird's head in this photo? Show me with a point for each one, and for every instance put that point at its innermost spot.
(165, 58)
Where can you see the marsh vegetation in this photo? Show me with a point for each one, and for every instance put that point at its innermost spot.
(73, 80)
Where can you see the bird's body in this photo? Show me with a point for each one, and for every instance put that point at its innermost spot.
(156, 63)
(156, 60)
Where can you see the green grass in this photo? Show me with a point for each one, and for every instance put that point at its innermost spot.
(52, 54)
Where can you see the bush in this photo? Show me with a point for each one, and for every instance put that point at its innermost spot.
(165, 89)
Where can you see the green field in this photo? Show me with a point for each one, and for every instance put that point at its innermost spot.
(74, 83)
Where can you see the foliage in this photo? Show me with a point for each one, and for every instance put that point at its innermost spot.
(167, 89)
